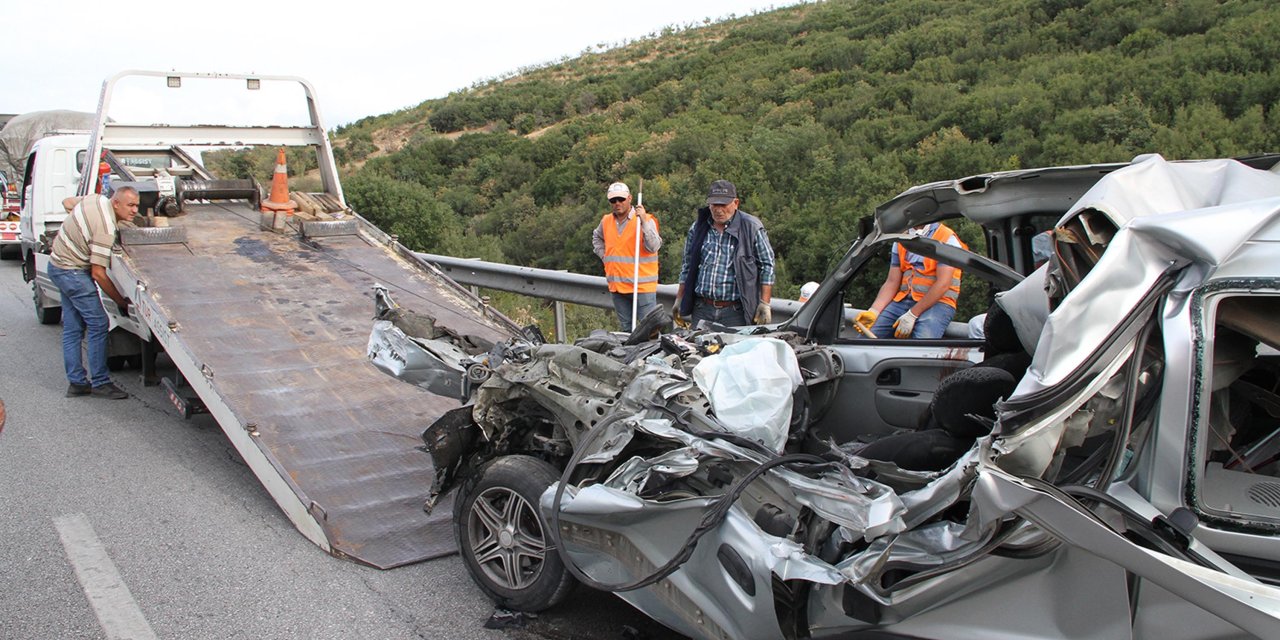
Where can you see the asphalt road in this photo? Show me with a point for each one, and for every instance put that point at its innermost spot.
(118, 517)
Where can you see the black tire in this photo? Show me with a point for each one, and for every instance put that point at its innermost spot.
(502, 536)
(117, 363)
(46, 315)
(10, 252)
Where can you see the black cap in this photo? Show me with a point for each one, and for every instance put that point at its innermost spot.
(722, 192)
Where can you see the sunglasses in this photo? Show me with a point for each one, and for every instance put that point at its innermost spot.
(616, 200)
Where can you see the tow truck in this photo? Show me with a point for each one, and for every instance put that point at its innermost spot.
(263, 315)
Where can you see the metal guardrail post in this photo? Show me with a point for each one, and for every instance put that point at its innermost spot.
(561, 334)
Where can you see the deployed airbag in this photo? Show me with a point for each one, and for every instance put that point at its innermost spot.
(749, 385)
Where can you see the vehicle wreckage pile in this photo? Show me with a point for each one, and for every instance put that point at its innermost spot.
(673, 437)
(681, 468)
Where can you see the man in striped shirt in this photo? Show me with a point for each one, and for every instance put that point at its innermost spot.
(727, 273)
(78, 266)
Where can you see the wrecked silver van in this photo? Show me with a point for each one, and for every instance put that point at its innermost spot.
(1103, 462)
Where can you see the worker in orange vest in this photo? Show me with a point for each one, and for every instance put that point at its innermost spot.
(616, 242)
(918, 297)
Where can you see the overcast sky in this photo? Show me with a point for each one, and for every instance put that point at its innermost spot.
(365, 58)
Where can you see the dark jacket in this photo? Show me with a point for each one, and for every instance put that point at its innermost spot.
(744, 227)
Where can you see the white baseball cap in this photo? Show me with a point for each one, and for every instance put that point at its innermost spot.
(808, 290)
(618, 190)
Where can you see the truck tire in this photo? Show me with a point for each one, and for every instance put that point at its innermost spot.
(10, 252)
(503, 538)
(46, 315)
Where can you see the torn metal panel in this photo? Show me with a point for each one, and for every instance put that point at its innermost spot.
(1246, 603)
(432, 365)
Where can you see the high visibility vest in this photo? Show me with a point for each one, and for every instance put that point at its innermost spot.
(620, 257)
(918, 283)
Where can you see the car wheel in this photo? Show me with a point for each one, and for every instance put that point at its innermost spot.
(503, 537)
(46, 315)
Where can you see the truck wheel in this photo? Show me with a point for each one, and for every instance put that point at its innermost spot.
(503, 538)
(10, 252)
(46, 315)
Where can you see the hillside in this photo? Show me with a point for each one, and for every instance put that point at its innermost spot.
(818, 112)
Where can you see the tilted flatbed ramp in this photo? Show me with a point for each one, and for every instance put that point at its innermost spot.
(271, 329)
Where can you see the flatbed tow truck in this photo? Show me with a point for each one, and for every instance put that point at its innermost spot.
(268, 327)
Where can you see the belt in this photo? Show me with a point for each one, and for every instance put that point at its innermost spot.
(720, 304)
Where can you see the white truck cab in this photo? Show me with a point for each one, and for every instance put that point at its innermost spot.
(52, 172)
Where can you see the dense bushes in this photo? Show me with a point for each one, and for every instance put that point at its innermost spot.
(819, 112)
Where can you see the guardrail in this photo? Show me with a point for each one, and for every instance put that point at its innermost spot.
(559, 286)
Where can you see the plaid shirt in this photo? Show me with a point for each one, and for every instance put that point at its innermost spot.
(716, 279)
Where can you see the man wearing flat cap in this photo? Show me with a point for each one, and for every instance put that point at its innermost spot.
(630, 262)
(727, 273)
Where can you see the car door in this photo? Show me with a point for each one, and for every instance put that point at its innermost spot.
(888, 384)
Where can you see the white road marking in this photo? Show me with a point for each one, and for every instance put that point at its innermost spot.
(117, 612)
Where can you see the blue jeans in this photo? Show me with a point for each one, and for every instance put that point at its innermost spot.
(622, 305)
(731, 316)
(82, 316)
(931, 324)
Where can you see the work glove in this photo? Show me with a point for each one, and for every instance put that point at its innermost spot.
(764, 314)
(905, 325)
(124, 308)
(675, 316)
(866, 319)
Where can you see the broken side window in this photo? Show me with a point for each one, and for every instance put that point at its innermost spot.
(1238, 424)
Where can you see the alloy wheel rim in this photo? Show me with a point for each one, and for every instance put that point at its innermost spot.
(506, 538)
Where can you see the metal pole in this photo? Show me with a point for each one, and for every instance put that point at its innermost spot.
(635, 277)
(561, 336)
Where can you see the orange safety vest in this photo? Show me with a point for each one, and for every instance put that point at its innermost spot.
(620, 257)
(918, 283)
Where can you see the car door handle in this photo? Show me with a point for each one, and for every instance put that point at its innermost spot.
(889, 378)
(904, 394)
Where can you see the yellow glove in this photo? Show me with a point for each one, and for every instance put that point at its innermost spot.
(675, 316)
(866, 318)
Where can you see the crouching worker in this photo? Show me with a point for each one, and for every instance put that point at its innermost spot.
(918, 297)
(78, 267)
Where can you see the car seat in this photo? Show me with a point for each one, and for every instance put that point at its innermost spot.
(962, 410)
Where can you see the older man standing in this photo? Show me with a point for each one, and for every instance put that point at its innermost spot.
(727, 273)
(615, 242)
(78, 266)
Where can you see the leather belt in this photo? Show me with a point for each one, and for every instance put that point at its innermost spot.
(720, 304)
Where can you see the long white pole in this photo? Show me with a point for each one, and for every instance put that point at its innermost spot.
(635, 277)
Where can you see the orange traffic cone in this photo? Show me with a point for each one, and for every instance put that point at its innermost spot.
(279, 199)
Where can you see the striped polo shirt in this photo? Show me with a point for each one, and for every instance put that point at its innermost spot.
(86, 235)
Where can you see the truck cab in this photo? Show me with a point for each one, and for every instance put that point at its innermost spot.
(52, 173)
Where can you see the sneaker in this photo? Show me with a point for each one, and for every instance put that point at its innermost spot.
(110, 391)
(76, 390)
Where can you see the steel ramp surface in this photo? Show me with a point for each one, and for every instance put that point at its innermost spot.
(277, 327)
